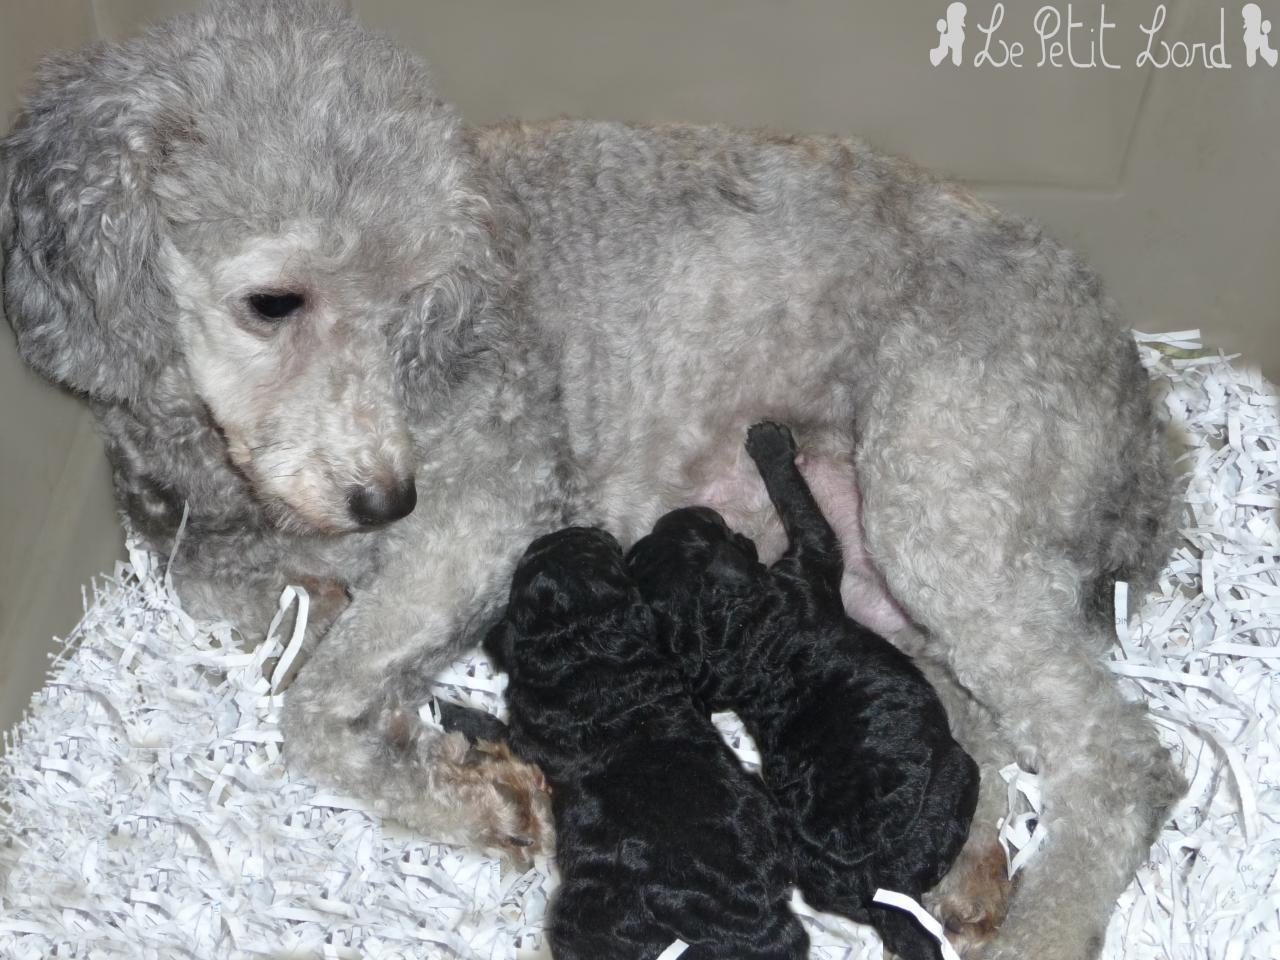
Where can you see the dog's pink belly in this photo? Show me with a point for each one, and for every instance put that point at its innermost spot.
(739, 494)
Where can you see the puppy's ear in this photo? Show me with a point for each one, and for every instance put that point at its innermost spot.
(82, 287)
(730, 566)
(674, 627)
(499, 644)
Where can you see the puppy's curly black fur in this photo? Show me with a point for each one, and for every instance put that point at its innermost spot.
(855, 743)
(661, 834)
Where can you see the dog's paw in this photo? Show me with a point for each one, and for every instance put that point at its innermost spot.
(768, 442)
(520, 823)
(973, 899)
(506, 802)
(472, 791)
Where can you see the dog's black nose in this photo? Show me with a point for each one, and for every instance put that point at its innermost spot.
(378, 503)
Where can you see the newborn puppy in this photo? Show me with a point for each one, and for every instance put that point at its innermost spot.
(660, 833)
(855, 743)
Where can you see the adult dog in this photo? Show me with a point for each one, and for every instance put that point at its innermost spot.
(300, 295)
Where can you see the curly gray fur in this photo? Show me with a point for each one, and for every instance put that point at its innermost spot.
(575, 322)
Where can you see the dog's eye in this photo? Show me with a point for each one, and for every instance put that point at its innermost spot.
(275, 306)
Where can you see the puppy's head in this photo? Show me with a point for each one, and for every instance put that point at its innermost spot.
(689, 550)
(266, 205)
(568, 575)
(565, 579)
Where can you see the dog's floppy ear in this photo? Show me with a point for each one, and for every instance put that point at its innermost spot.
(79, 238)
(460, 321)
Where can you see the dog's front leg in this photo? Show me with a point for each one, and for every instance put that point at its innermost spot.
(249, 605)
(351, 717)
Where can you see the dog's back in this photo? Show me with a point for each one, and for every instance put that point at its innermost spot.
(661, 835)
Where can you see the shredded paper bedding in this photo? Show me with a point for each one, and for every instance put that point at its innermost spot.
(146, 813)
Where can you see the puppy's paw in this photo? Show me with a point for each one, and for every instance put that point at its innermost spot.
(973, 899)
(471, 723)
(769, 442)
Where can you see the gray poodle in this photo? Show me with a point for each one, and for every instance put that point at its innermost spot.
(377, 352)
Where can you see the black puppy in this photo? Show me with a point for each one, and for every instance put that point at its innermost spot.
(854, 742)
(660, 833)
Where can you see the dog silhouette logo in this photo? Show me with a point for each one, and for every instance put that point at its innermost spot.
(1257, 41)
(951, 36)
